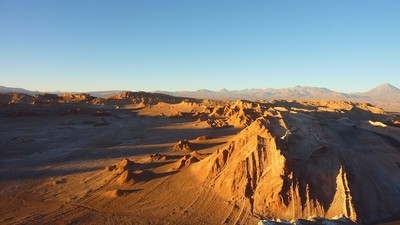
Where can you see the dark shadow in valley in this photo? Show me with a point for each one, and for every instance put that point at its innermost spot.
(40, 173)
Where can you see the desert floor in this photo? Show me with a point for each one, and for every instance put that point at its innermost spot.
(90, 164)
(52, 170)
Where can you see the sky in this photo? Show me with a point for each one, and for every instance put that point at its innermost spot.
(148, 45)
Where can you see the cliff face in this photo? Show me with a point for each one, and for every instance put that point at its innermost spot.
(293, 165)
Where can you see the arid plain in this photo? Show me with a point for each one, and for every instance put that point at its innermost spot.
(145, 158)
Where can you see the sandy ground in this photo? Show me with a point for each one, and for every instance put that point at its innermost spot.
(52, 168)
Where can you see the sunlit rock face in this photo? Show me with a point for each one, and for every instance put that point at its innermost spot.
(309, 163)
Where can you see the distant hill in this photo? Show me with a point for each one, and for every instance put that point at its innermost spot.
(99, 94)
(4, 89)
(384, 91)
(105, 94)
(385, 96)
(298, 92)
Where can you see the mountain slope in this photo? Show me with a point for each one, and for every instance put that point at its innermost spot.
(384, 91)
(299, 165)
(4, 89)
(386, 95)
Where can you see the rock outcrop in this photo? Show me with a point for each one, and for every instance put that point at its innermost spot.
(15, 98)
(81, 97)
(146, 98)
(298, 165)
(184, 145)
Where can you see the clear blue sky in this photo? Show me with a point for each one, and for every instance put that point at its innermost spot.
(85, 45)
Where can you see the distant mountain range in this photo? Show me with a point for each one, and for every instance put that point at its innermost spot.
(100, 94)
(4, 89)
(386, 95)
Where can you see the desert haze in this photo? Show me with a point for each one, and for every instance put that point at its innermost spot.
(313, 157)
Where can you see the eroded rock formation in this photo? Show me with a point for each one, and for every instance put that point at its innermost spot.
(298, 165)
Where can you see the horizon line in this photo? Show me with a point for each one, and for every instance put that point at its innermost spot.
(196, 90)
